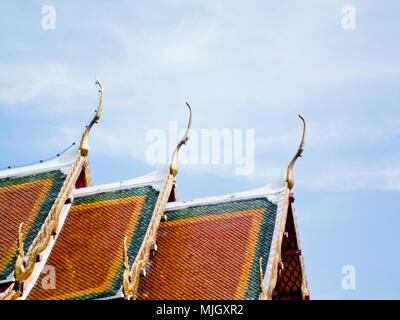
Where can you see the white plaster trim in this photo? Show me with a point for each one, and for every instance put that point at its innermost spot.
(63, 163)
(154, 179)
(9, 279)
(272, 192)
(118, 295)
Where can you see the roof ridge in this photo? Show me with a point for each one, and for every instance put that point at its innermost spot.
(271, 191)
(64, 163)
(154, 179)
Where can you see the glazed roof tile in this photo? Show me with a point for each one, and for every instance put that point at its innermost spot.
(26, 196)
(26, 199)
(210, 248)
(88, 256)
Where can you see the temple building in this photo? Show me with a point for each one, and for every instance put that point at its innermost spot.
(63, 238)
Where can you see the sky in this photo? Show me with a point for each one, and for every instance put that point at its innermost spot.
(241, 65)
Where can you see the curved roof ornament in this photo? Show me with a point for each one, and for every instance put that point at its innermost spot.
(173, 168)
(289, 172)
(21, 271)
(84, 147)
(126, 280)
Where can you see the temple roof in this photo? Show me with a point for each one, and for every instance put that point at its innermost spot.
(27, 195)
(210, 248)
(88, 252)
(95, 242)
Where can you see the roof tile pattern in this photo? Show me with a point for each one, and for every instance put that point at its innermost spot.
(25, 199)
(211, 252)
(290, 279)
(88, 254)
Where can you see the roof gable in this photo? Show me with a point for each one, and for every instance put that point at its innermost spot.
(88, 255)
(210, 248)
(25, 199)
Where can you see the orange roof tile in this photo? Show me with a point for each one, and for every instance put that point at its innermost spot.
(87, 255)
(211, 252)
(25, 199)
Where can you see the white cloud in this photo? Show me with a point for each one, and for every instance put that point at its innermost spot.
(242, 67)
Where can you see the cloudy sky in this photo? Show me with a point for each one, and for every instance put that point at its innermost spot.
(241, 65)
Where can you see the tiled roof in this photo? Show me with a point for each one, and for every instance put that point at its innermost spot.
(88, 253)
(26, 199)
(291, 281)
(211, 251)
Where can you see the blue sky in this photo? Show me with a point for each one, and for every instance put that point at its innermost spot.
(241, 64)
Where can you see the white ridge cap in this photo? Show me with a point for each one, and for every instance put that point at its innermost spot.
(63, 163)
(154, 179)
(272, 192)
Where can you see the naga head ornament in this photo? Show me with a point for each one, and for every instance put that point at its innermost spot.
(289, 173)
(84, 147)
(173, 168)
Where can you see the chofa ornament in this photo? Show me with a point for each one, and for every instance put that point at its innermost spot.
(289, 174)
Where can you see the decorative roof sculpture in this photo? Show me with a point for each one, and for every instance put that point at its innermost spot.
(31, 202)
(237, 246)
(135, 240)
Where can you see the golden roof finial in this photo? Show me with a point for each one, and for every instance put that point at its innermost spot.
(84, 147)
(289, 173)
(173, 168)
